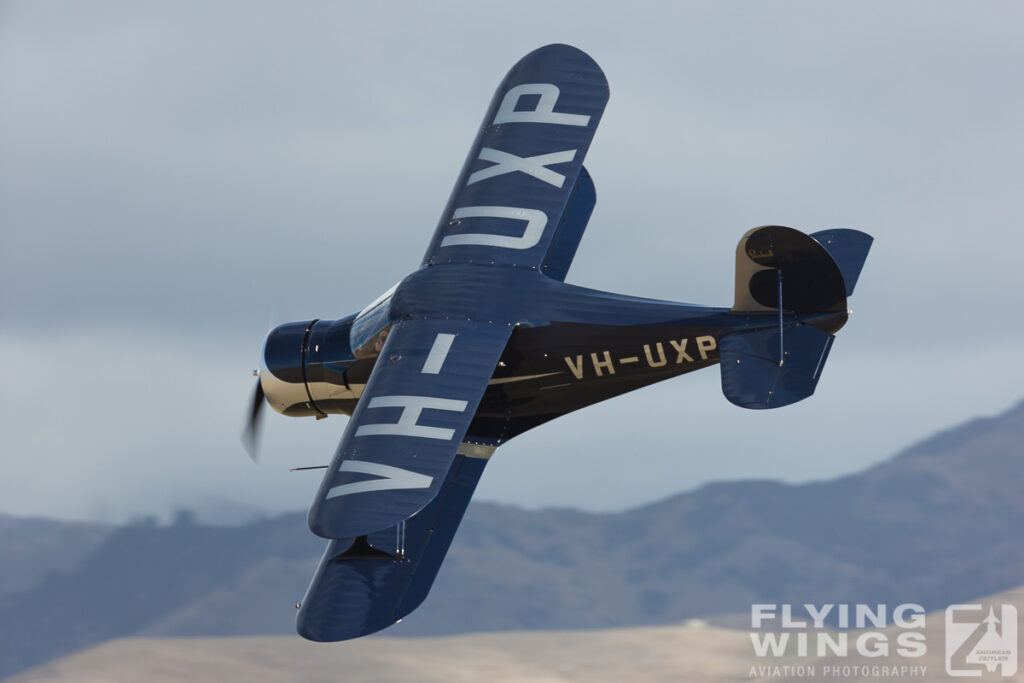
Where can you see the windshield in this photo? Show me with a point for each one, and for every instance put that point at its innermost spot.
(371, 326)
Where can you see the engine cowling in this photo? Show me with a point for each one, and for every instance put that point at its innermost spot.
(303, 366)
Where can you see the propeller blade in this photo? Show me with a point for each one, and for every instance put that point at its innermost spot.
(251, 433)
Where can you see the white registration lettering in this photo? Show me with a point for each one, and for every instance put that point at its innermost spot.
(407, 425)
(438, 352)
(534, 166)
(391, 478)
(542, 112)
(535, 219)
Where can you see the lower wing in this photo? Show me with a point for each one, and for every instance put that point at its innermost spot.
(368, 583)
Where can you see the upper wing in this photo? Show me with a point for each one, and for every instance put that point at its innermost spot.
(521, 171)
(408, 425)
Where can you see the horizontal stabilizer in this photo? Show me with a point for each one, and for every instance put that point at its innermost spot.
(849, 249)
(366, 584)
(752, 375)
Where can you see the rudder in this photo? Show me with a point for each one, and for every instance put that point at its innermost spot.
(849, 249)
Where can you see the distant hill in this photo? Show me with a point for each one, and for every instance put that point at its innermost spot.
(640, 654)
(33, 547)
(938, 523)
(687, 652)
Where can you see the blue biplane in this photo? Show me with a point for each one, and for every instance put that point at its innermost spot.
(485, 340)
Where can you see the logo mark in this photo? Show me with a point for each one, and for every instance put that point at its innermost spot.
(981, 638)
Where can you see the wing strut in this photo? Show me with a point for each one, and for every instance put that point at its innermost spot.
(782, 347)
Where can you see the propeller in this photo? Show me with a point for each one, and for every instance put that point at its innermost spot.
(251, 433)
(254, 425)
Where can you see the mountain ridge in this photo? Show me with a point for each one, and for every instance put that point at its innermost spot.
(938, 522)
(691, 651)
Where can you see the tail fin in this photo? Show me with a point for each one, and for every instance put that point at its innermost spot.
(780, 270)
(811, 280)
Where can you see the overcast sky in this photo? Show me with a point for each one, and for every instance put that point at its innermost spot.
(176, 176)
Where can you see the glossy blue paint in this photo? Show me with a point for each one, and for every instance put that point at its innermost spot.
(365, 586)
(571, 229)
(755, 376)
(849, 249)
(407, 426)
(546, 109)
(485, 341)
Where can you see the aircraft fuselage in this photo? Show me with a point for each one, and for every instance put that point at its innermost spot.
(571, 346)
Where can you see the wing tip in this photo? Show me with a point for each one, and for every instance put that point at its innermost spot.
(564, 51)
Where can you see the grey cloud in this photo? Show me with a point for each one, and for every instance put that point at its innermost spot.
(179, 173)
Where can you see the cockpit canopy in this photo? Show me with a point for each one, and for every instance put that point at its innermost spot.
(371, 326)
(305, 363)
